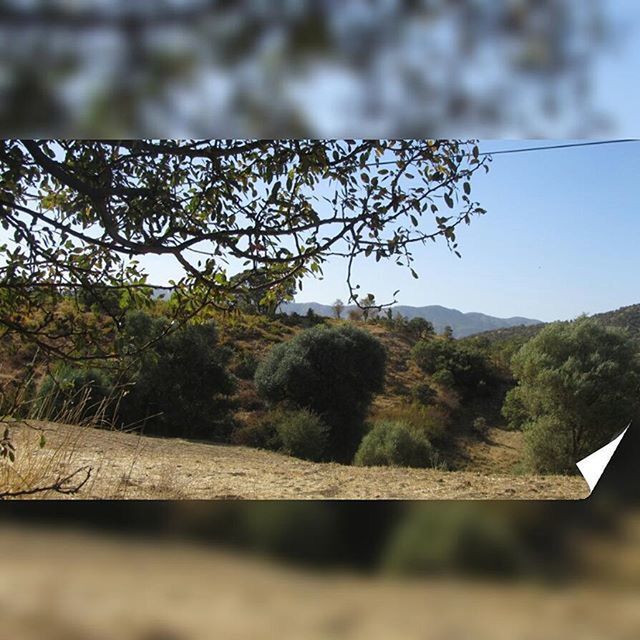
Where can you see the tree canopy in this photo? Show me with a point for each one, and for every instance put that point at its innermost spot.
(578, 384)
(81, 215)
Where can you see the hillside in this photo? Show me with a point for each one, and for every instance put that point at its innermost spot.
(463, 324)
(625, 318)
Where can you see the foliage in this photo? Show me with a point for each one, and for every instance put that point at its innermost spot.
(181, 381)
(332, 372)
(258, 431)
(74, 394)
(310, 319)
(430, 421)
(456, 538)
(480, 426)
(424, 393)
(420, 328)
(338, 308)
(245, 365)
(394, 444)
(257, 295)
(302, 434)
(75, 213)
(449, 361)
(578, 384)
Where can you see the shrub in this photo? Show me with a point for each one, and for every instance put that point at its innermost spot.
(332, 372)
(420, 328)
(450, 361)
(444, 378)
(424, 393)
(480, 427)
(181, 384)
(302, 434)
(257, 432)
(394, 444)
(578, 385)
(245, 365)
(456, 538)
(430, 421)
(74, 395)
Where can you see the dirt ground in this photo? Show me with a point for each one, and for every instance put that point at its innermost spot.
(129, 466)
(72, 586)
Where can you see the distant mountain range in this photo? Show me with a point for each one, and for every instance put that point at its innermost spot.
(463, 324)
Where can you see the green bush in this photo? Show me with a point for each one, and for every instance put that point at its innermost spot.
(456, 538)
(430, 421)
(450, 361)
(480, 427)
(444, 378)
(394, 444)
(578, 385)
(420, 328)
(74, 395)
(332, 372)
(259, 433)
(424, 393)
(302, 434)
(245, 365)
(181, 385)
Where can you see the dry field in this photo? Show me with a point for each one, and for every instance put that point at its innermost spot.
(129, 466)
(72, 586)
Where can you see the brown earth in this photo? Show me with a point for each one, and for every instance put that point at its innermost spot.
(130, 466)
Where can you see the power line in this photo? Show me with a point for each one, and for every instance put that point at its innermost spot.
(568, 145)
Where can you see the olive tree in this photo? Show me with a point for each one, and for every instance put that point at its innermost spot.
(578, 384)
(332, 372)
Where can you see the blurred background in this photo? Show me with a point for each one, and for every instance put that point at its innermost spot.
(320, 68)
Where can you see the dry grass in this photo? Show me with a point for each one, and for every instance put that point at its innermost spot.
(127, 465)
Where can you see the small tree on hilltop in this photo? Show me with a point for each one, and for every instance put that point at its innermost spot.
(333, 372)
(338, 308)
(578, 384)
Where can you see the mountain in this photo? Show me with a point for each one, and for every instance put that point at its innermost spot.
(463, 324)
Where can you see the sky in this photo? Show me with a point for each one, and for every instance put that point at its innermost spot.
(560, 238)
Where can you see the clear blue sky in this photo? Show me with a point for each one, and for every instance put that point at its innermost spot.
(561, 237)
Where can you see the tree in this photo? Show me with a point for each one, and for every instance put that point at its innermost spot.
(447, 332)
(338, 308)
(578, 384)
(332, 372)
(181, 384)
(420, 328)
(258, 296)
(79, 215)
(449, 361)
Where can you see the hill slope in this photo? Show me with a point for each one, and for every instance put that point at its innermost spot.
(463, 324)
(624, 318)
